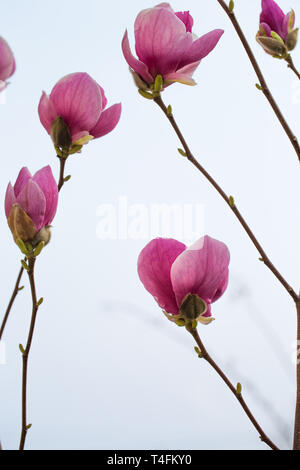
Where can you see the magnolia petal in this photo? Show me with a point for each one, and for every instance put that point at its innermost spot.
(183, 75)
(23, 177)
(161, 40)
(154, 265)
(187, 19)
(33, 202)
(47, 112)
(46, 182)
(7, 61)
(139, 67)
(201, 47)
(272, 15)
(202, 269)
(107, 121)
(77, 99)
(10, 199)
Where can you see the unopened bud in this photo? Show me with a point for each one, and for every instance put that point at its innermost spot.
(60, 134)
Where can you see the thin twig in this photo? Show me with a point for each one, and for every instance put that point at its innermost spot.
(206, 356)
(229, 200)
(12, 299)
(61, 180)
(25, 355)
(265, 89)
(292, 66)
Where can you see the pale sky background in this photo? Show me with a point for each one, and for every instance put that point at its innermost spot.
(106, 369)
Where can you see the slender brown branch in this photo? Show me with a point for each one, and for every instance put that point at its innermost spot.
(12, 299)
(61, 180)
(228, 199)
(292, 66)
(296, 445)
(206, 356)
(265, 89)
(25, 355)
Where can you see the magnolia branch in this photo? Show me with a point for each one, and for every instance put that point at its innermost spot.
(25, 353)
(228, 199)
(237, 393)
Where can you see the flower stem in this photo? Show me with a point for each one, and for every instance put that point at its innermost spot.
(205, 355)
(292, 66)
(12, 299)
(25, 355)
(229, 201)
(61, 180)
(296, 445)
(266, 91)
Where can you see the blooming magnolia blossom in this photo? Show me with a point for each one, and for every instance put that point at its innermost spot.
(276, 31)
(170, 272)
(166, 46)
(78, 103)
(7, 63)
(31, 204)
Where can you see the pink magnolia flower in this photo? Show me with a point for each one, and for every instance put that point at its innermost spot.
(170, 271)
(31, 204)
(276, 31)
(77, 105)
(166, 46)
(7, 63)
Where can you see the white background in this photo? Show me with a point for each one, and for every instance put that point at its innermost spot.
(107, 370)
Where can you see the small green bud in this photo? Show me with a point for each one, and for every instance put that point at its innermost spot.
(231, 201)
(40, 302)
(145, 94)
(67, 178)
(20, 288)
(239, 388)
(28, 426)
(25, 265)
(198, 351)
(182, 152)
(22, 246)
(258, 86)
(169, 110)
(21, 348)
(158, 84)
(231, 5)
(38, 249)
